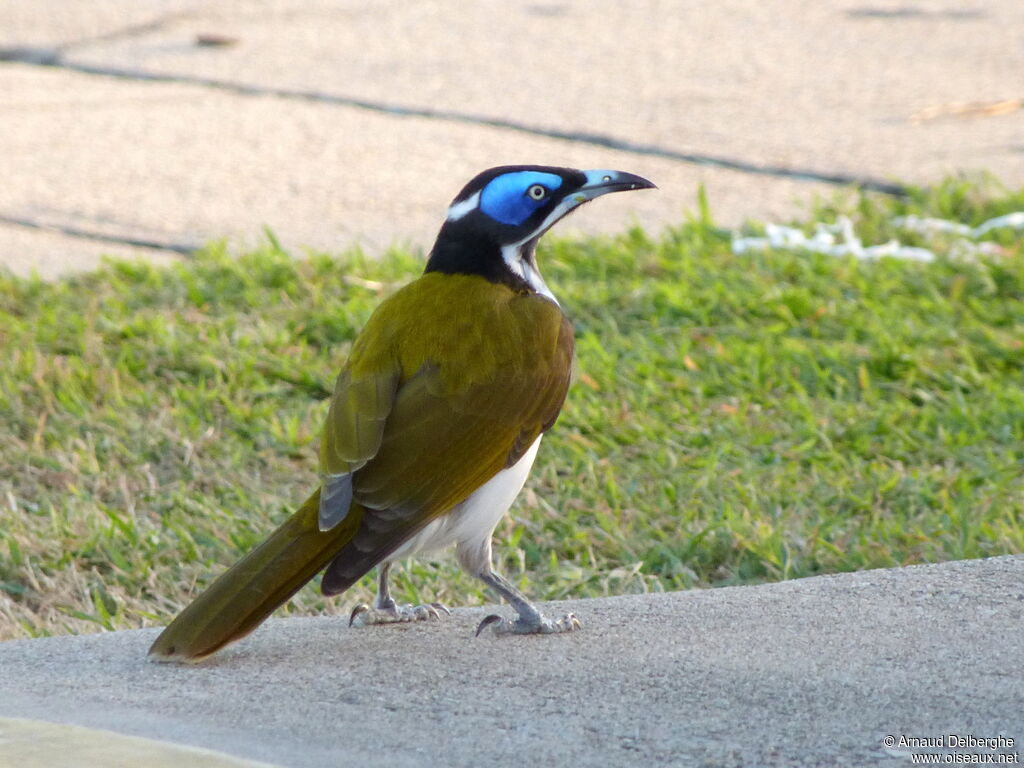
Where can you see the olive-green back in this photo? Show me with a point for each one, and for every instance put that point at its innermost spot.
(478, 371)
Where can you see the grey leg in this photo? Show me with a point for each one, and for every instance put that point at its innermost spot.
(386, 611)
(529, 621)
(384, 601)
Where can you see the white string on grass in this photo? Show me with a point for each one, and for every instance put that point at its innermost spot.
(840, 239)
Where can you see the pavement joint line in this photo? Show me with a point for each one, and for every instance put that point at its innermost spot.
(51, 57)
(85, 234)
(127, 32)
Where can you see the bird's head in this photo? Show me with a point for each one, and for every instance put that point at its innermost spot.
(494, 223)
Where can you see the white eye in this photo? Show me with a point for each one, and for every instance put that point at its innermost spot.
(537, 192)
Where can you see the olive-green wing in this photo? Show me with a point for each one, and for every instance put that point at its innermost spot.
(352, 434)
(440, 443)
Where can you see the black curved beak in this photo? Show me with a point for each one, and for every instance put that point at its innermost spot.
(601, 182)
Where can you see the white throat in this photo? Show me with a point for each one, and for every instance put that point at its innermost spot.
(520, 266)
(513, 254)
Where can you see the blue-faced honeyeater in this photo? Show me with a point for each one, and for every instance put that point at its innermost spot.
(434, 422)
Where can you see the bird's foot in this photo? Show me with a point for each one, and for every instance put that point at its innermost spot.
(363, 615)
(529, 626)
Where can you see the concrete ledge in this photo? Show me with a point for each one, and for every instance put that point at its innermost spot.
(814, 672)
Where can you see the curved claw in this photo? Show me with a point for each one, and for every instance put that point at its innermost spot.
(571, 621)
(540, 626)
(487, 621)
(422, 613)
(357, 611)
(363, 614)
(431, 611)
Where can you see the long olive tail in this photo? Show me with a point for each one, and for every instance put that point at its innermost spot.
(248, 592)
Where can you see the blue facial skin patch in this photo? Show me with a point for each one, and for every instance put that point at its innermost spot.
(504, 199)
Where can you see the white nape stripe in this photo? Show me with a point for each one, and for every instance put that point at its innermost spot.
(457, 210)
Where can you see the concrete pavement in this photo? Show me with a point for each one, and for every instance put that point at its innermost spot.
(814, 672)
(341, 122)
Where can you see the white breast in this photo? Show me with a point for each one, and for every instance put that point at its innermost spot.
(471, 523)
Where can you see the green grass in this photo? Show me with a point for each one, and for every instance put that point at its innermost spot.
(736, 419)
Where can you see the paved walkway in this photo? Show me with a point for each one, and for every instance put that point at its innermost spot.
(816, 672)
(173, 122)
